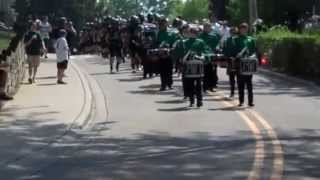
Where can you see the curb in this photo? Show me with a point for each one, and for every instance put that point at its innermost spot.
(288, 78)
(86, 111)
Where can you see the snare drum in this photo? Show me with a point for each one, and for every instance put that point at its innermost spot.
(153, 55)
(193, 68)
(248, 66)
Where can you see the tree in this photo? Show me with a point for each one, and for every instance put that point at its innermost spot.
(21, 8)
(78, 11)
(286, 10)
(218, 9)
(195, 9)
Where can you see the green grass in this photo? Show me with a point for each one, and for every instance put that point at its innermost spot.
(4, 40)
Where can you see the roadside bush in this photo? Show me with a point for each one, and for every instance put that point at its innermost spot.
(292, 53)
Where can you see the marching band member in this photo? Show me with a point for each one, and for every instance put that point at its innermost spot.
(165, 39)
(245, 46)
(136, 49)
(115, 47)
(229, 52)
(210, 70)
(193, 67)
(178, 50)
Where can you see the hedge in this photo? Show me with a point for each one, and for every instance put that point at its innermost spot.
(292, 53)
(4, 40)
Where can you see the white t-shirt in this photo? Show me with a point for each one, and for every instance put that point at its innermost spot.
(225, 34)
(62, 49)
(216, 27)
(45, 29)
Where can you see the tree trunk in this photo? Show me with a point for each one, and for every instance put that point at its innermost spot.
(217, 9)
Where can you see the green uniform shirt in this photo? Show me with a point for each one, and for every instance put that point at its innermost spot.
(197, 46)
(245, 41)
(211, 39)
(178, 47)
(166, 38)
(229, 49)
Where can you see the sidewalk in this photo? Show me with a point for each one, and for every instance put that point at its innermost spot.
(43, 111)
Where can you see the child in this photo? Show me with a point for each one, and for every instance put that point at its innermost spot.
(62, 51)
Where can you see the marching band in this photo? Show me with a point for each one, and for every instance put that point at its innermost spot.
(194, 51)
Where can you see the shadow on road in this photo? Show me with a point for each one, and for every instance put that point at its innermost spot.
(82, 155)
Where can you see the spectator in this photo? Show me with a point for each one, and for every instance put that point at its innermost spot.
(62, 51)
(34, 48)
(45, 30)
(225, 31)
(71, 36)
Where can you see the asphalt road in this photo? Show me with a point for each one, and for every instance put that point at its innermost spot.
(137, 132)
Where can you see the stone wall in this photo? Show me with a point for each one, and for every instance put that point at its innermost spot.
(12, 71)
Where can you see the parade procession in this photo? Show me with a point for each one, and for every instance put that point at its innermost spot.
(192, 51)
(159, 90)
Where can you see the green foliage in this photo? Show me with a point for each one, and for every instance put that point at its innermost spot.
(4, 40)
(293, 53)
(238, 11)
(271, 11)
(77, 10)
(194, 9)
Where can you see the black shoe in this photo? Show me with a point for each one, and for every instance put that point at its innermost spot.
(191, 105)
(240, 105)
(46, 57)
(199, 104)
(61, 82)
(251, 105)
(30, 81)
(162, 89)
(6, 97)
(170, 87)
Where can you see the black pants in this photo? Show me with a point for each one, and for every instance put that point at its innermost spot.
(232, 81)
(209, 79)
(215, 76)
(194, 88)
(184, 87)
(245, 81)
(166, 67)
(147, 67)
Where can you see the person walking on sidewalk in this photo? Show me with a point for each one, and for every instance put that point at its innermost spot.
(34, 48)
(62, 51)
(45, 30)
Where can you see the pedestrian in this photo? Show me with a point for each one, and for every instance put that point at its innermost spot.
(45, 30)
(62, 52)
(71, 36)
(34, 48)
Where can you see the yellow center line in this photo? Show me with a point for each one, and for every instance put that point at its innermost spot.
(278, 162)
(257, 166)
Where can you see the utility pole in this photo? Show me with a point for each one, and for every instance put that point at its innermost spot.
(253, 11)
